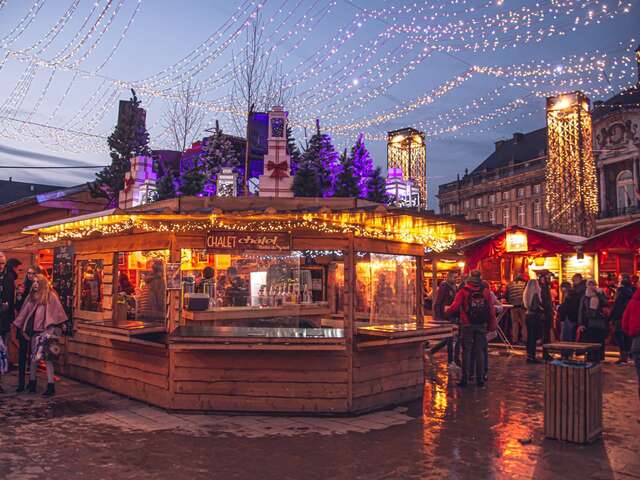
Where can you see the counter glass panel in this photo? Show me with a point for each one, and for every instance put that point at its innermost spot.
(91, 284)
(385, 289)
(259, 289)
(141, 287)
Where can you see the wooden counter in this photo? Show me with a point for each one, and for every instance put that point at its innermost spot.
(250, 313)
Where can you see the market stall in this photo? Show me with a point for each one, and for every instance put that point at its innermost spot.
(252, 304)
(522, 250)
(617, 251)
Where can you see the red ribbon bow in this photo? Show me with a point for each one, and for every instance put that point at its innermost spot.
(278, 170)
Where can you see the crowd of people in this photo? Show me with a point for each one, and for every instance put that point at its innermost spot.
(538, 313)
(34, 310)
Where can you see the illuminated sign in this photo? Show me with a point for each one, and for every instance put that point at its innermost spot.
(517, 242)
(225, 240)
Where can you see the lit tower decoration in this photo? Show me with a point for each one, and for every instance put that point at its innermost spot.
(277, 181)
(571, 186)
(407, 151)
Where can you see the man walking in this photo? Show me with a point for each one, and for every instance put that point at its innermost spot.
(514, 297)
(477, 313)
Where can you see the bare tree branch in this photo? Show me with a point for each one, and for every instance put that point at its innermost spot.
(258, 78)
(183, 120)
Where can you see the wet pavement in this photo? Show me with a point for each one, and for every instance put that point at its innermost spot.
(495, 432)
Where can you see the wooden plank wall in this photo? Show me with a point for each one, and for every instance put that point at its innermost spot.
(130, 369)
(388, 375)
(260, 381)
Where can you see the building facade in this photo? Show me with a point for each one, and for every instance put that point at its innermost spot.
(507, 188)
(616, 138)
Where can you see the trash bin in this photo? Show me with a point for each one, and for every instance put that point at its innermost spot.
(573, 401)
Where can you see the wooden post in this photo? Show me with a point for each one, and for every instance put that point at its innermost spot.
(419, 292)
(349, 312)
(173, 296)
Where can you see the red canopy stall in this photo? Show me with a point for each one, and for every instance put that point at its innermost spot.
(617, 251)
(515, 250)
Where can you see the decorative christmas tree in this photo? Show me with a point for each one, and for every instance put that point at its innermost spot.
(305, 182)
(362, 165)
(166, 187)
(347, 184)
(292, 150)
(220, 153)
(192, 181)
(129, 139)
(323, 158)
(376, 187)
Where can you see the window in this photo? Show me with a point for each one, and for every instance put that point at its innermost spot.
(506, 218)
(492, 198)
(537, 189)
(467, 204)
(522, 218)
(479, 216)
(520, 192)
(537, 214)
(142, 287)
(625, 194)
(505, 195)
(91, 279)
(478, 201)
(492, 217)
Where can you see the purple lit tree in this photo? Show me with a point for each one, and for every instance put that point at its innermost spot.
(362, 165)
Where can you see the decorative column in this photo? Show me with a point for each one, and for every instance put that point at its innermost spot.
(406, 151)
(572, 188)
(277, 181)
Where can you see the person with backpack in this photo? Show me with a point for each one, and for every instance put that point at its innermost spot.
(474, 305)
(593, 326)
(534, 317)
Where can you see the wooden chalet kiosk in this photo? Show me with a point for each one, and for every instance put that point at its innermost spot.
(252, 304)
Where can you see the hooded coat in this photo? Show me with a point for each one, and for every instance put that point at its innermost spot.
(461, 304)
(45, 315)
(631, 316)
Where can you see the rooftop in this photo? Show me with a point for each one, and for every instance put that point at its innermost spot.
(10, 190)
(522, 147)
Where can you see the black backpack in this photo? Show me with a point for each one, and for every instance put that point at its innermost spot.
(478, 307)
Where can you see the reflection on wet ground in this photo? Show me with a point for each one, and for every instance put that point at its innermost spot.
(495, 432)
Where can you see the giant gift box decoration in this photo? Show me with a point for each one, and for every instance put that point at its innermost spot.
(139, 183)
(277, 180)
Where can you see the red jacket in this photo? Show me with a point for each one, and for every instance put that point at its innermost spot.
(631, 316)
(461, 301)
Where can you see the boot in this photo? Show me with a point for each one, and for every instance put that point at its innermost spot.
(31, 388)
(20, 388)
(50, 391)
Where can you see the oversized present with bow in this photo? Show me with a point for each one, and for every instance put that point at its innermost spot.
(277, 180)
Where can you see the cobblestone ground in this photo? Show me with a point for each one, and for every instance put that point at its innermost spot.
(491, 433)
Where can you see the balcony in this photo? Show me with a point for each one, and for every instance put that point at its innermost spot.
(619, 212)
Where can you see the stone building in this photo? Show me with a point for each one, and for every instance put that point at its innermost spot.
(507, 188)
(616, 138)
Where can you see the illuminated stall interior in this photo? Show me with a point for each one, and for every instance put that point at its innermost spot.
(522, 250)
(186, 285)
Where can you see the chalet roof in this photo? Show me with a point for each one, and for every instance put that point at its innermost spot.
(362, 218)
(571, 240)
(519, 149)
